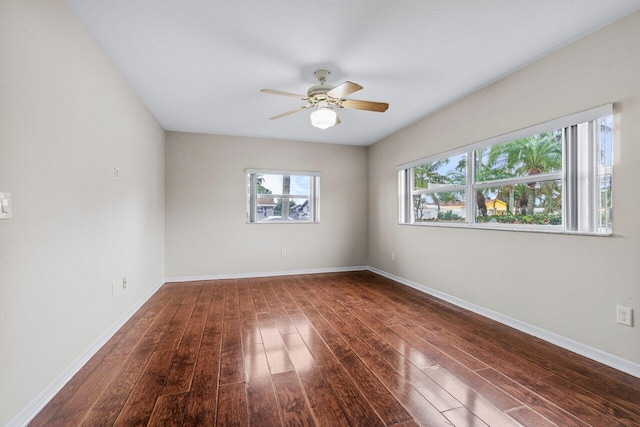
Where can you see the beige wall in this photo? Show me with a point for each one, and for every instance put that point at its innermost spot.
(206, 233)
(569, 285)
(67, 118)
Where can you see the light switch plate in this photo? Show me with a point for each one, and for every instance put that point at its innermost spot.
(5, 206)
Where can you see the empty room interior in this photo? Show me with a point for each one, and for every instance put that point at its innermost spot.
(319, 213)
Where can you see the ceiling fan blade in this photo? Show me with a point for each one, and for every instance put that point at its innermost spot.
(344, 89)
(279, 116)
(279, 92)
(380, 107)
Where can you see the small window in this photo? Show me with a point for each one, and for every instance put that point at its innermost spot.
(555, 176)
(282, 196)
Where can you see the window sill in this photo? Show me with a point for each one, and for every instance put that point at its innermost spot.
(548, 229)
(283, 222)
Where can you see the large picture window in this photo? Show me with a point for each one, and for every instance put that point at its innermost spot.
(282, 196)
(555, 176)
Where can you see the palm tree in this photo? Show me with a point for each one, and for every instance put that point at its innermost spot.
(530, 156)
(424, 175)
(260, 187)
(489, 168)
(522, 192)
(551, 197)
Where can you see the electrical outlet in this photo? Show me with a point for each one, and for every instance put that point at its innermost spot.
(353, 251)
(624, 316)
(393, 256)
(124, 282)
(283, 252)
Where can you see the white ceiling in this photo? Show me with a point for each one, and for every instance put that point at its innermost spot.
(199, 65)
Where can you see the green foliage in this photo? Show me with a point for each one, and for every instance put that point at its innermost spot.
(537, 218)
(261, 189)
(278, 209)
(449, 216)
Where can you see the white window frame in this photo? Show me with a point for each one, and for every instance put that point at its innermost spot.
(579, 176)
(253, 195)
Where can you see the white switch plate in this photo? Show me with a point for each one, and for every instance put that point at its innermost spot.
(5, 206)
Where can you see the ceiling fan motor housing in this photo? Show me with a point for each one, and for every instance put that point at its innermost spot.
(318, 92)
(320, 89)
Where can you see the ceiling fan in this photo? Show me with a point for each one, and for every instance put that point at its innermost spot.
(324, 98)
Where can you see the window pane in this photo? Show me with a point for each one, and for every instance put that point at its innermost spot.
(269, 184)
(270, 209)
(606, 160)
(537, 203)
(283, 184)
(532, 155)
(447, 206)
(606, 140)
(300, 185)
(451, 171)
(605, 203)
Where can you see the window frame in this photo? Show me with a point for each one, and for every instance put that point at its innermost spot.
(252, 195)
(580, 197)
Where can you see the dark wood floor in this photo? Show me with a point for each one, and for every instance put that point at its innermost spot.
(332, 350)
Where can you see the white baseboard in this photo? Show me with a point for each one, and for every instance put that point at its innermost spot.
(266, 274)
(41, 400)
(605, 358)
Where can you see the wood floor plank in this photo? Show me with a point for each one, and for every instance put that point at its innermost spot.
(183, 364)
(249, 321)
(386, 406)
(231, 365)
(559, 385)
(262, 403)
(317, 346)
(331, 349)
(464, 417)
(201, 405)
(278, 311)
(213, 326)
(528, 417)
(293, 404)
(168, 411)
(541, 405)
(232, 405)
(110, 403)
(257, 297)
(59, 401)
(142, 399)
(286, 299)
(231, 361)
(333, 340)
(173, 334)
(74, 410)
(322, 400)
(372, 320)
(357, 408)
(274, 345)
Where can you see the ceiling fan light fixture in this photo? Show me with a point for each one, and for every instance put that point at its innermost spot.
(324, 117)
